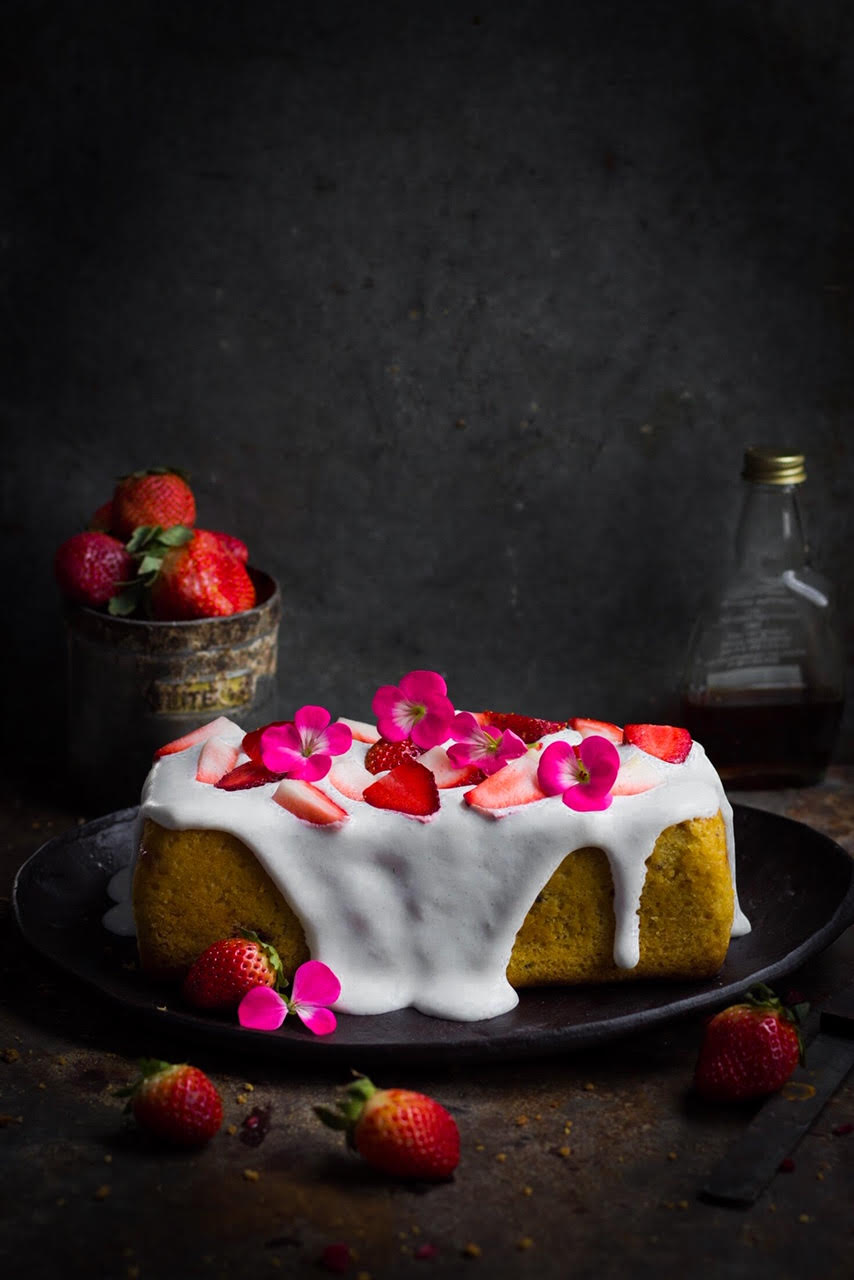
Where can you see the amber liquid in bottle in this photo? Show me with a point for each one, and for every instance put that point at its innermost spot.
(757, 740)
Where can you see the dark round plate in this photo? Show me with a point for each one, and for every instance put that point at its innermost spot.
(795, 884)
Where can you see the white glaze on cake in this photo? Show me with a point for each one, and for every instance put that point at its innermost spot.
(425, 914)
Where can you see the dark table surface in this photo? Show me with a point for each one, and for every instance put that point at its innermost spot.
(582, 1164)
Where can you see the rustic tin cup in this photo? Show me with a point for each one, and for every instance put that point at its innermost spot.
(135, 684)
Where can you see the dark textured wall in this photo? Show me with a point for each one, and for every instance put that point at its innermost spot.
(460, 316)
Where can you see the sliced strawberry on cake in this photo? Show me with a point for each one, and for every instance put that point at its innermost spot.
(597, 729)
(349, 776)
(448, 774)
(360, 729)
(529, 728)
(209, 730)
(666, 741)
(513, 785)
(638, 772)
(305, 800)
(245, 776)
(216, 758)
(409, 788)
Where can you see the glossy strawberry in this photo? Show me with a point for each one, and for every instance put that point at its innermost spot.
(236, 546)
(244, 776)
(91, 566)
(397, 1131)
(408, 788)
(384, 755)
(159, 496)
(199, 579)
(529, 728)
(749, 1049)
(176, 1103)
(666, 741)
(228, 968)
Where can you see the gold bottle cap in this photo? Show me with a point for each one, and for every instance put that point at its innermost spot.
(764, 465)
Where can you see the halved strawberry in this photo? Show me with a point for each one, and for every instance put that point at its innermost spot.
(637, 773)
(209, 730)
(529, 728)
(409, 788)
(448, 774)
(246, 775)
(361, 730)
(597, 728)
(252, 740)
(349, 776)
(663, 740)
(216, 758)
(510, 787)
(385, 755)
(306, 801)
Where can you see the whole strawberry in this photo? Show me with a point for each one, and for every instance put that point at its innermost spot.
(90, 566)
(396, 1131)
(236, 546)
(176, 1103)
(383, 755)
(230, 967)
(749, 1049)
(200, 579)
(160, 495)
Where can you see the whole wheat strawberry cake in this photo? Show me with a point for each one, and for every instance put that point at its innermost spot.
(435, 858)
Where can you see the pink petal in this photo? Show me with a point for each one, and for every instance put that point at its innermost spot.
(602, 760)
(320, 1021)
(511, 746)
(464, 753)
(422, 686)
(338, 738)
(280, 759)
(386, 699)
(556, 770)
(585, 800)
(310, 768)
(312, 719)
(434, 727)
(465, 727)
(262, 1009)
(315, 983)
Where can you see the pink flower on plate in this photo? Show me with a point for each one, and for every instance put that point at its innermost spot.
(304, 748)
(315, 986)
(417, 708)
(483, 745)
(583, 776)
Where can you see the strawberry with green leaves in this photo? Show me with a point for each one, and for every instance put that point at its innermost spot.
(228, 968)
(397, 1131)
(175, 1103)
(158, 496)
(200, 579)
(749, 1049)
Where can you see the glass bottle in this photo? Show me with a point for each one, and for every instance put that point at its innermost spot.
(764, 681)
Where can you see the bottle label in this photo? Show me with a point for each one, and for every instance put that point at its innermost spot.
(760, 640)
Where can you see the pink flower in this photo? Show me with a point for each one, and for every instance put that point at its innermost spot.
(482, 745)
(583, 775)
(315, 986)
(304, 748)
(417, 708)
